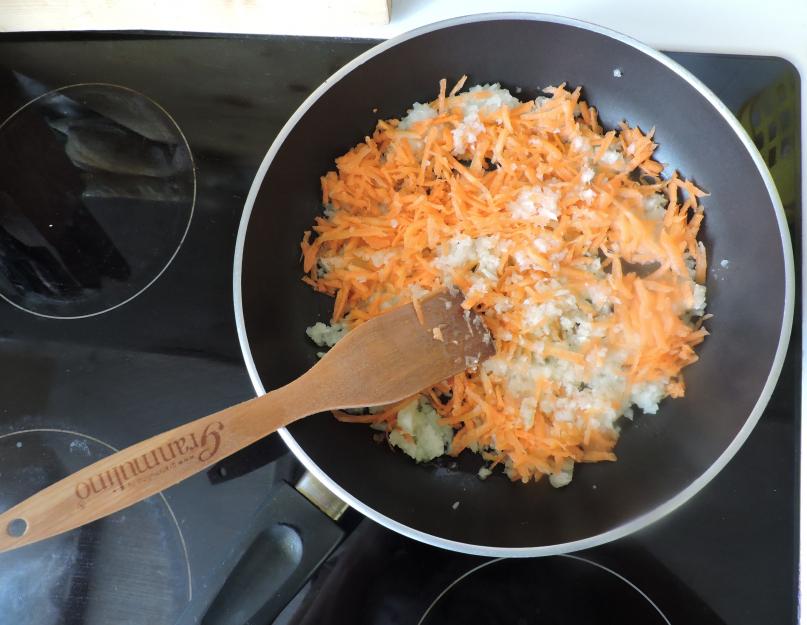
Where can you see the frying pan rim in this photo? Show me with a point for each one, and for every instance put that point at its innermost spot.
(639, 522)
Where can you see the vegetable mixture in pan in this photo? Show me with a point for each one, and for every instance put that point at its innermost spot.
(583, 260)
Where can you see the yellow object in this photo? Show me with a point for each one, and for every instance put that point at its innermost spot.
(771, 118)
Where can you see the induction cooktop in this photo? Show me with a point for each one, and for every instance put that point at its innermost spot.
(125, 160)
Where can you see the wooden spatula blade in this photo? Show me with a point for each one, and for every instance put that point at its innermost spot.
(395, 355)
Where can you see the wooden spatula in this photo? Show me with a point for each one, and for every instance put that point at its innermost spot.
(382, 361)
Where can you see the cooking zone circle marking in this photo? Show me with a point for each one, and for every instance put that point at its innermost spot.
(31, 460)
(98, 192)
(627, 584)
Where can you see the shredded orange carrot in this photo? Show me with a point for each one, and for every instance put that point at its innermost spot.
(582, 259)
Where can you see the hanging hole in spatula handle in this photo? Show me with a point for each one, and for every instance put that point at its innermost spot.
(17, 528)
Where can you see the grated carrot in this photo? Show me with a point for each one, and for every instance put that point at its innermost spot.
(568, 226)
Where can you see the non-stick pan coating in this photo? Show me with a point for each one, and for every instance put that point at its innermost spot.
(663, 458)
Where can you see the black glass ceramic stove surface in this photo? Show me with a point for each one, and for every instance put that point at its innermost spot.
(153, 344)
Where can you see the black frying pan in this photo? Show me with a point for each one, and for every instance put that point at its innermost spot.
(664, 459)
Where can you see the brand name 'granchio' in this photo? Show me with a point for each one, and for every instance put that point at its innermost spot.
(200, 446)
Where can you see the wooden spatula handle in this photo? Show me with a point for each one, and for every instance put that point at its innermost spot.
(144, 469)
(382, 361)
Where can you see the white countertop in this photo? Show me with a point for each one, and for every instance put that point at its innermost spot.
(771, 27)
(776, 27)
